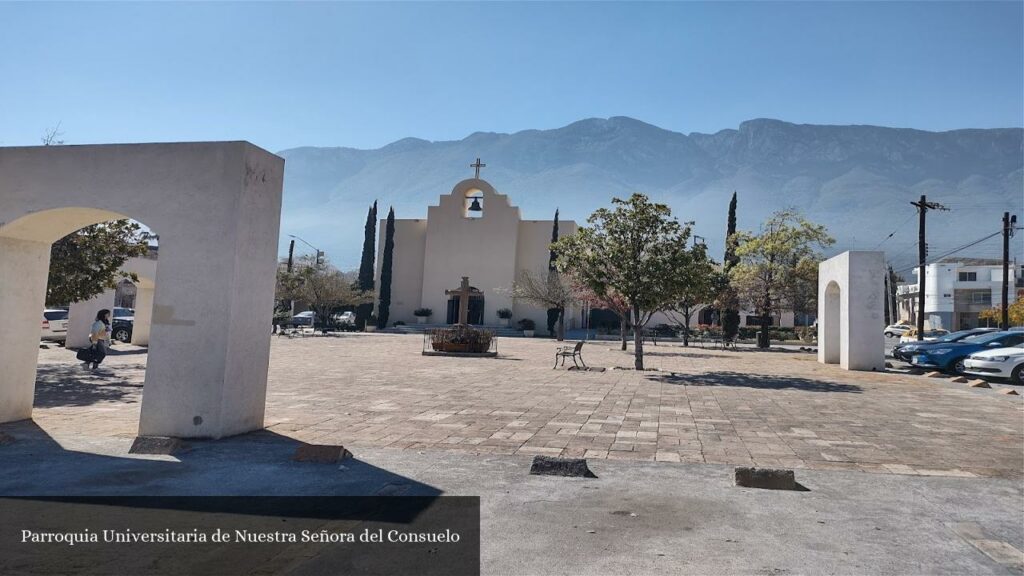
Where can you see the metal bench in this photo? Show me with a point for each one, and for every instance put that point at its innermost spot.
(573, 352)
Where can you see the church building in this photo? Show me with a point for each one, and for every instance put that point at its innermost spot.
(472, 232)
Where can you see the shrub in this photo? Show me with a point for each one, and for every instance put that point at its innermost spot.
(461, 338)
(664, 331)
(423, 312)
(505, 313)
(527, 324)
(748, 332)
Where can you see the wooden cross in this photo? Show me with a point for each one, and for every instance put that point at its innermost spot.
(478, 166)
(463, 293)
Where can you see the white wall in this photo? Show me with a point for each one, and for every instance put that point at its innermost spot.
(81, 316)
(850, 290)
(484, 249)
(406, 269)
(216, 207)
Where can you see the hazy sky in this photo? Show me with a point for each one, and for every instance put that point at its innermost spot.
(285, 75)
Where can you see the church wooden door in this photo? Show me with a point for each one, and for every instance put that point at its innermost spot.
(476, 310)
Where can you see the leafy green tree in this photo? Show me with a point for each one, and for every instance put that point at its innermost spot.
(770, 262)
(636, 251)
(728, 302)
(365, 279)
(384, 307)
(85, 263)
(701, 290)
(322, 287)
(801, 291)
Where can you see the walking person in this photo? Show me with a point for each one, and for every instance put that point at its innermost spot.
(99, 335)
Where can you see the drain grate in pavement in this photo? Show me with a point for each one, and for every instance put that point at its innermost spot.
(549, 466)
(768, 479)
(163, 445)
(321, 453)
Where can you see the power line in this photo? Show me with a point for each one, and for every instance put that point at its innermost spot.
(954, 251)
(894, 231)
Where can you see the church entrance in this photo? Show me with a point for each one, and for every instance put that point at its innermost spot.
(476, 309)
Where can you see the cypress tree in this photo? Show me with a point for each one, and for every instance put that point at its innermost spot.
(365, 279)
(386, 260)
(554, 238)
(730, 316)
(554, 314)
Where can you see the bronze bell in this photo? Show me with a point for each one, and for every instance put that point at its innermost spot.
(475, 206)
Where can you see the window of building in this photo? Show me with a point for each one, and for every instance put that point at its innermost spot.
(968, 276)
(756, 321)
(981, 298)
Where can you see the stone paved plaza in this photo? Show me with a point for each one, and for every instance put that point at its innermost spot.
(728, 407)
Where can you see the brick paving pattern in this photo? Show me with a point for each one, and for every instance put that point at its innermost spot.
(727, 407)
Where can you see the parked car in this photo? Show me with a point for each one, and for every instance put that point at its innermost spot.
(121, 329)
(998, 363)
(304, 318)
(950, 356)
(929, 335)
(55, 325)
(904, 350)
(898, 329)
(122, 313)
(344, 318)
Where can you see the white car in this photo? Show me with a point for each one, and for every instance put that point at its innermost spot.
(896, 330)
(55, 325)
(998, 363)
(929, 335)
(344, 318)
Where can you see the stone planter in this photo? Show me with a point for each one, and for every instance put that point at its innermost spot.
(528, 333)
(371, 328)
(504, 322)
(421, 319)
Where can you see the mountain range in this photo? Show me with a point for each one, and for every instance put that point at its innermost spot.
(857, 180)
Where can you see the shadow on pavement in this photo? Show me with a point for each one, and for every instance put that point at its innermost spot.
(764, 382)
(73, 385)
(254, 464)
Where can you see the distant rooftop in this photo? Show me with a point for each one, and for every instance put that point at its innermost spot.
(971, 261)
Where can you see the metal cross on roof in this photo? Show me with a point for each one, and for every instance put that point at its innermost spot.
(478, 166)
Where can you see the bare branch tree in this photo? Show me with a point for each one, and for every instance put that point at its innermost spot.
(52, 136)
(545, 290)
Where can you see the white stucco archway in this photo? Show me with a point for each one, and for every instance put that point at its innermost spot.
(217, 206)
(830, 331)
(850, 311)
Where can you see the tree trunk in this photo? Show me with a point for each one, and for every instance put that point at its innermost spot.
(561, 324)
(763, 339)
(638, 342)
(622, 330)
(686, 329)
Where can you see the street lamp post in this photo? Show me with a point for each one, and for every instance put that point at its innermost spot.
(319, 254)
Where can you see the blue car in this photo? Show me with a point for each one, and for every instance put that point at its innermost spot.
(906, 350)
(950, 356)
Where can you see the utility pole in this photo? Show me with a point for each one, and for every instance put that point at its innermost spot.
(1008, 224)
(291, 255)
(923, 206)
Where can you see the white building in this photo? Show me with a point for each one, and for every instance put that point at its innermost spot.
(475, 232)
(955, 291)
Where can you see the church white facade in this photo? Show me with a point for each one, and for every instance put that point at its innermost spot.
(475, 232)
